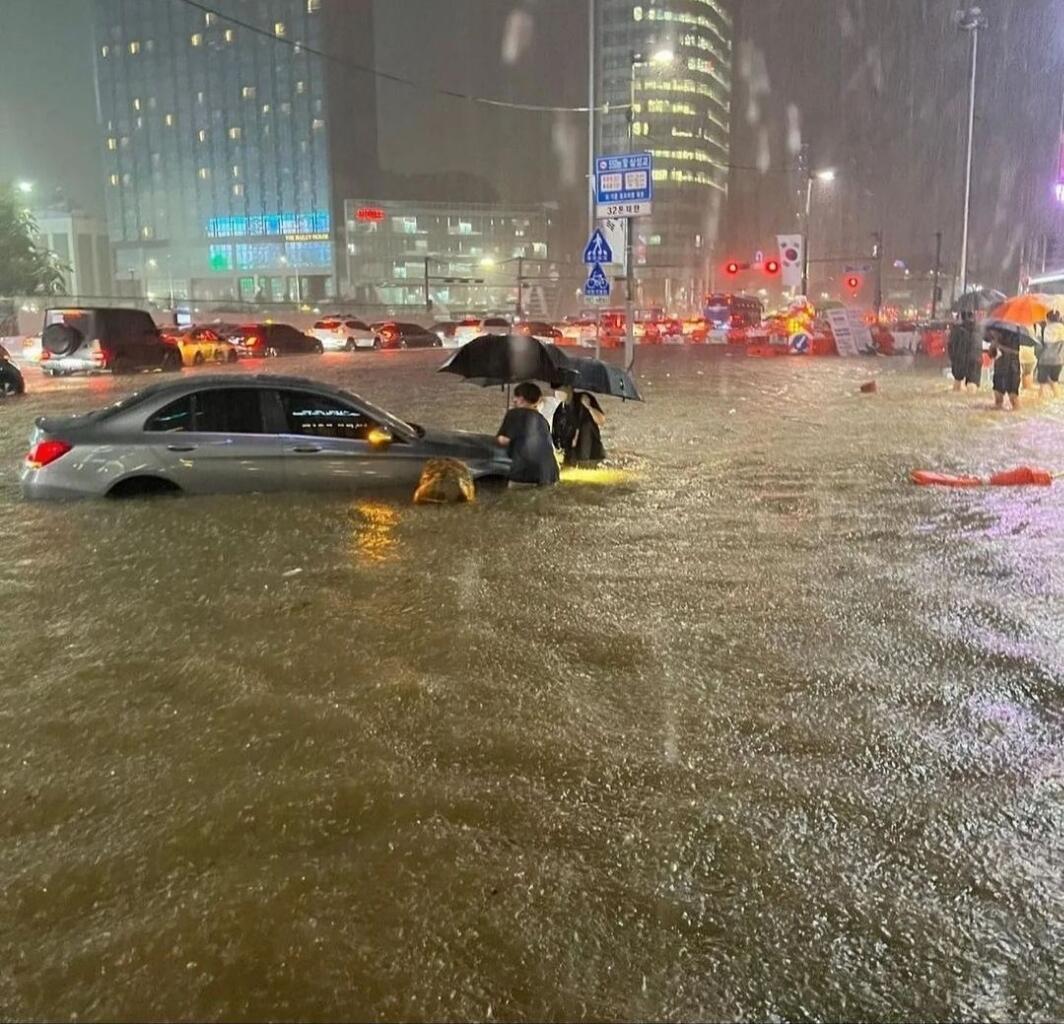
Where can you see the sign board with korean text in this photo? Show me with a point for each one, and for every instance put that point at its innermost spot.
(624, 185)
(852, 336)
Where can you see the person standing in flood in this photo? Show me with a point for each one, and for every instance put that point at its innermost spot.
(1051, 354)
(526, 437)
(577, 427)
(965, 353)
(1008, 374)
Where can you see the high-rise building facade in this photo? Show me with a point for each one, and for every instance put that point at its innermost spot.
(229, 145)
(673, 58)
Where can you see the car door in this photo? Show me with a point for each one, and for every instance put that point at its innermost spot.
(334, 445)
(215, 441)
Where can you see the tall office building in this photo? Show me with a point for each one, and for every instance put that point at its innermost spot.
(229, 146)
(674, 57)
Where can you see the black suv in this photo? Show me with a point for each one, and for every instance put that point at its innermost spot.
(87, 339)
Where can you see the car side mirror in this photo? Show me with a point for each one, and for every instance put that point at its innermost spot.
(379, 437)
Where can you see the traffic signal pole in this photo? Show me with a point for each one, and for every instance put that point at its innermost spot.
(938, 266)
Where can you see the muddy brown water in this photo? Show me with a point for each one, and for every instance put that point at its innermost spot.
(751, 728)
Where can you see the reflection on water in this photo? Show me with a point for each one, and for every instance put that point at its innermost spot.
(374, 532)
(757, 729)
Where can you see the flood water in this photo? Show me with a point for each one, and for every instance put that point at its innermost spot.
(750, 728)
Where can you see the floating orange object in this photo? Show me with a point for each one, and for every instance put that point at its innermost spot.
(1021, 476)
(925, 478)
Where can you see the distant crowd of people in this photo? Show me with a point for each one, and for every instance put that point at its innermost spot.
(537, 438)
(1019, 360)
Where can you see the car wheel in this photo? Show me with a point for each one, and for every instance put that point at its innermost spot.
(402, 343)
(272, 353)
(376, 344)
(350, 346)
(318, 348)
(197, 359)
(120, 366)
(171, 362)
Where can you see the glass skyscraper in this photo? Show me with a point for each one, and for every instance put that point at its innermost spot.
(675, 58)
(229, 148)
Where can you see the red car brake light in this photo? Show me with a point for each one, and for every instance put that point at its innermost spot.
(45, 452)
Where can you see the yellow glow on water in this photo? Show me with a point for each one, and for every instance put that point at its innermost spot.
(374, 538)
(599, 476)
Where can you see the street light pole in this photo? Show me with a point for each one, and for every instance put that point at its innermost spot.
(805, 239)
(520, 287)
(590, 118)
(970, 20)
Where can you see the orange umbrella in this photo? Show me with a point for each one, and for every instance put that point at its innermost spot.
(1022, 309)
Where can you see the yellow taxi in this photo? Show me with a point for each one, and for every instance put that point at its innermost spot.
(201, 345)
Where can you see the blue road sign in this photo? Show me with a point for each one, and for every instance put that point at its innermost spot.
(598, 249)
(597, 284)
(624, 185)
(799, 342)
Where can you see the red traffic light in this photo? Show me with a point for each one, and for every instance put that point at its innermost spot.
(772, 267)
(732, 267)
(853, 282)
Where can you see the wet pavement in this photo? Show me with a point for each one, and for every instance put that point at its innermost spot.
(750, 727)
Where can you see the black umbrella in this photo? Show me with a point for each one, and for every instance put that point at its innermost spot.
(604, 379)
(496, 359)
(979, 300)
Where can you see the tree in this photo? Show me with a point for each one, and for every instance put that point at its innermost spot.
(26, 267)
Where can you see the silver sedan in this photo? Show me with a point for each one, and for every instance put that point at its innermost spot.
(212, 435)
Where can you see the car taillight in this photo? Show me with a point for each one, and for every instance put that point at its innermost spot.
(45, 452)
(389, 333)
(45, 355)
(96, 352)
(251, 341)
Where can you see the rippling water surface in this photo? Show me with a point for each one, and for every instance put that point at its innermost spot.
(751, 727)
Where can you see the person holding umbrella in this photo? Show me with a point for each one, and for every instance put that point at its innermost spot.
(965, 353)
(1005, 343)
(526, 437)
(576, 427)
(1051, 353)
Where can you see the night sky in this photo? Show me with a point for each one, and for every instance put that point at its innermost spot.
(877, 88)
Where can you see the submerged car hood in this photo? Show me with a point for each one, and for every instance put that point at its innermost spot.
(464, 443)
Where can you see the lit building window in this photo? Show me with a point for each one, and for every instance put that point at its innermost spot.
(203, 174)
(265, 108)
(236, 170)
(201, 135)
(637, 13)
(210, 18)
(279, 30)
(140, 122)
(286, 107)
(169, 120)
(146, 232)
(313, 6)
(230, 35)
(301, 87)
(134, 47)
(112, 143)
(238, 189)
(136, 103)
(196, 39)
(124, 141)
(199, 97)
(105, 51)
(248, 92)
(317, 124)
(234, 133)
(126, 179)
(113, 179)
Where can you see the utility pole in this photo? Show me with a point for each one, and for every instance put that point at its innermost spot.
(938, 266)
(970, 20)
(428, 297)
(629, 269)
(590, 117)
(520, 286)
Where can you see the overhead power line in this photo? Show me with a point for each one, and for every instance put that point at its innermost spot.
(388, 75)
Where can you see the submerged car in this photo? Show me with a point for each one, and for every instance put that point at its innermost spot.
(344, 334)
(199, 344)
(268, 341)
(90, 339)
(233, 434)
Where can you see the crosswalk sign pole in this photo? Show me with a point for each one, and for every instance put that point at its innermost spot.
(629, 326)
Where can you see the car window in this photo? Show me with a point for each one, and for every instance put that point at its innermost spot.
(357, 325)
(310, 415)
(228, 411)
(327, 325)
(172, 418)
